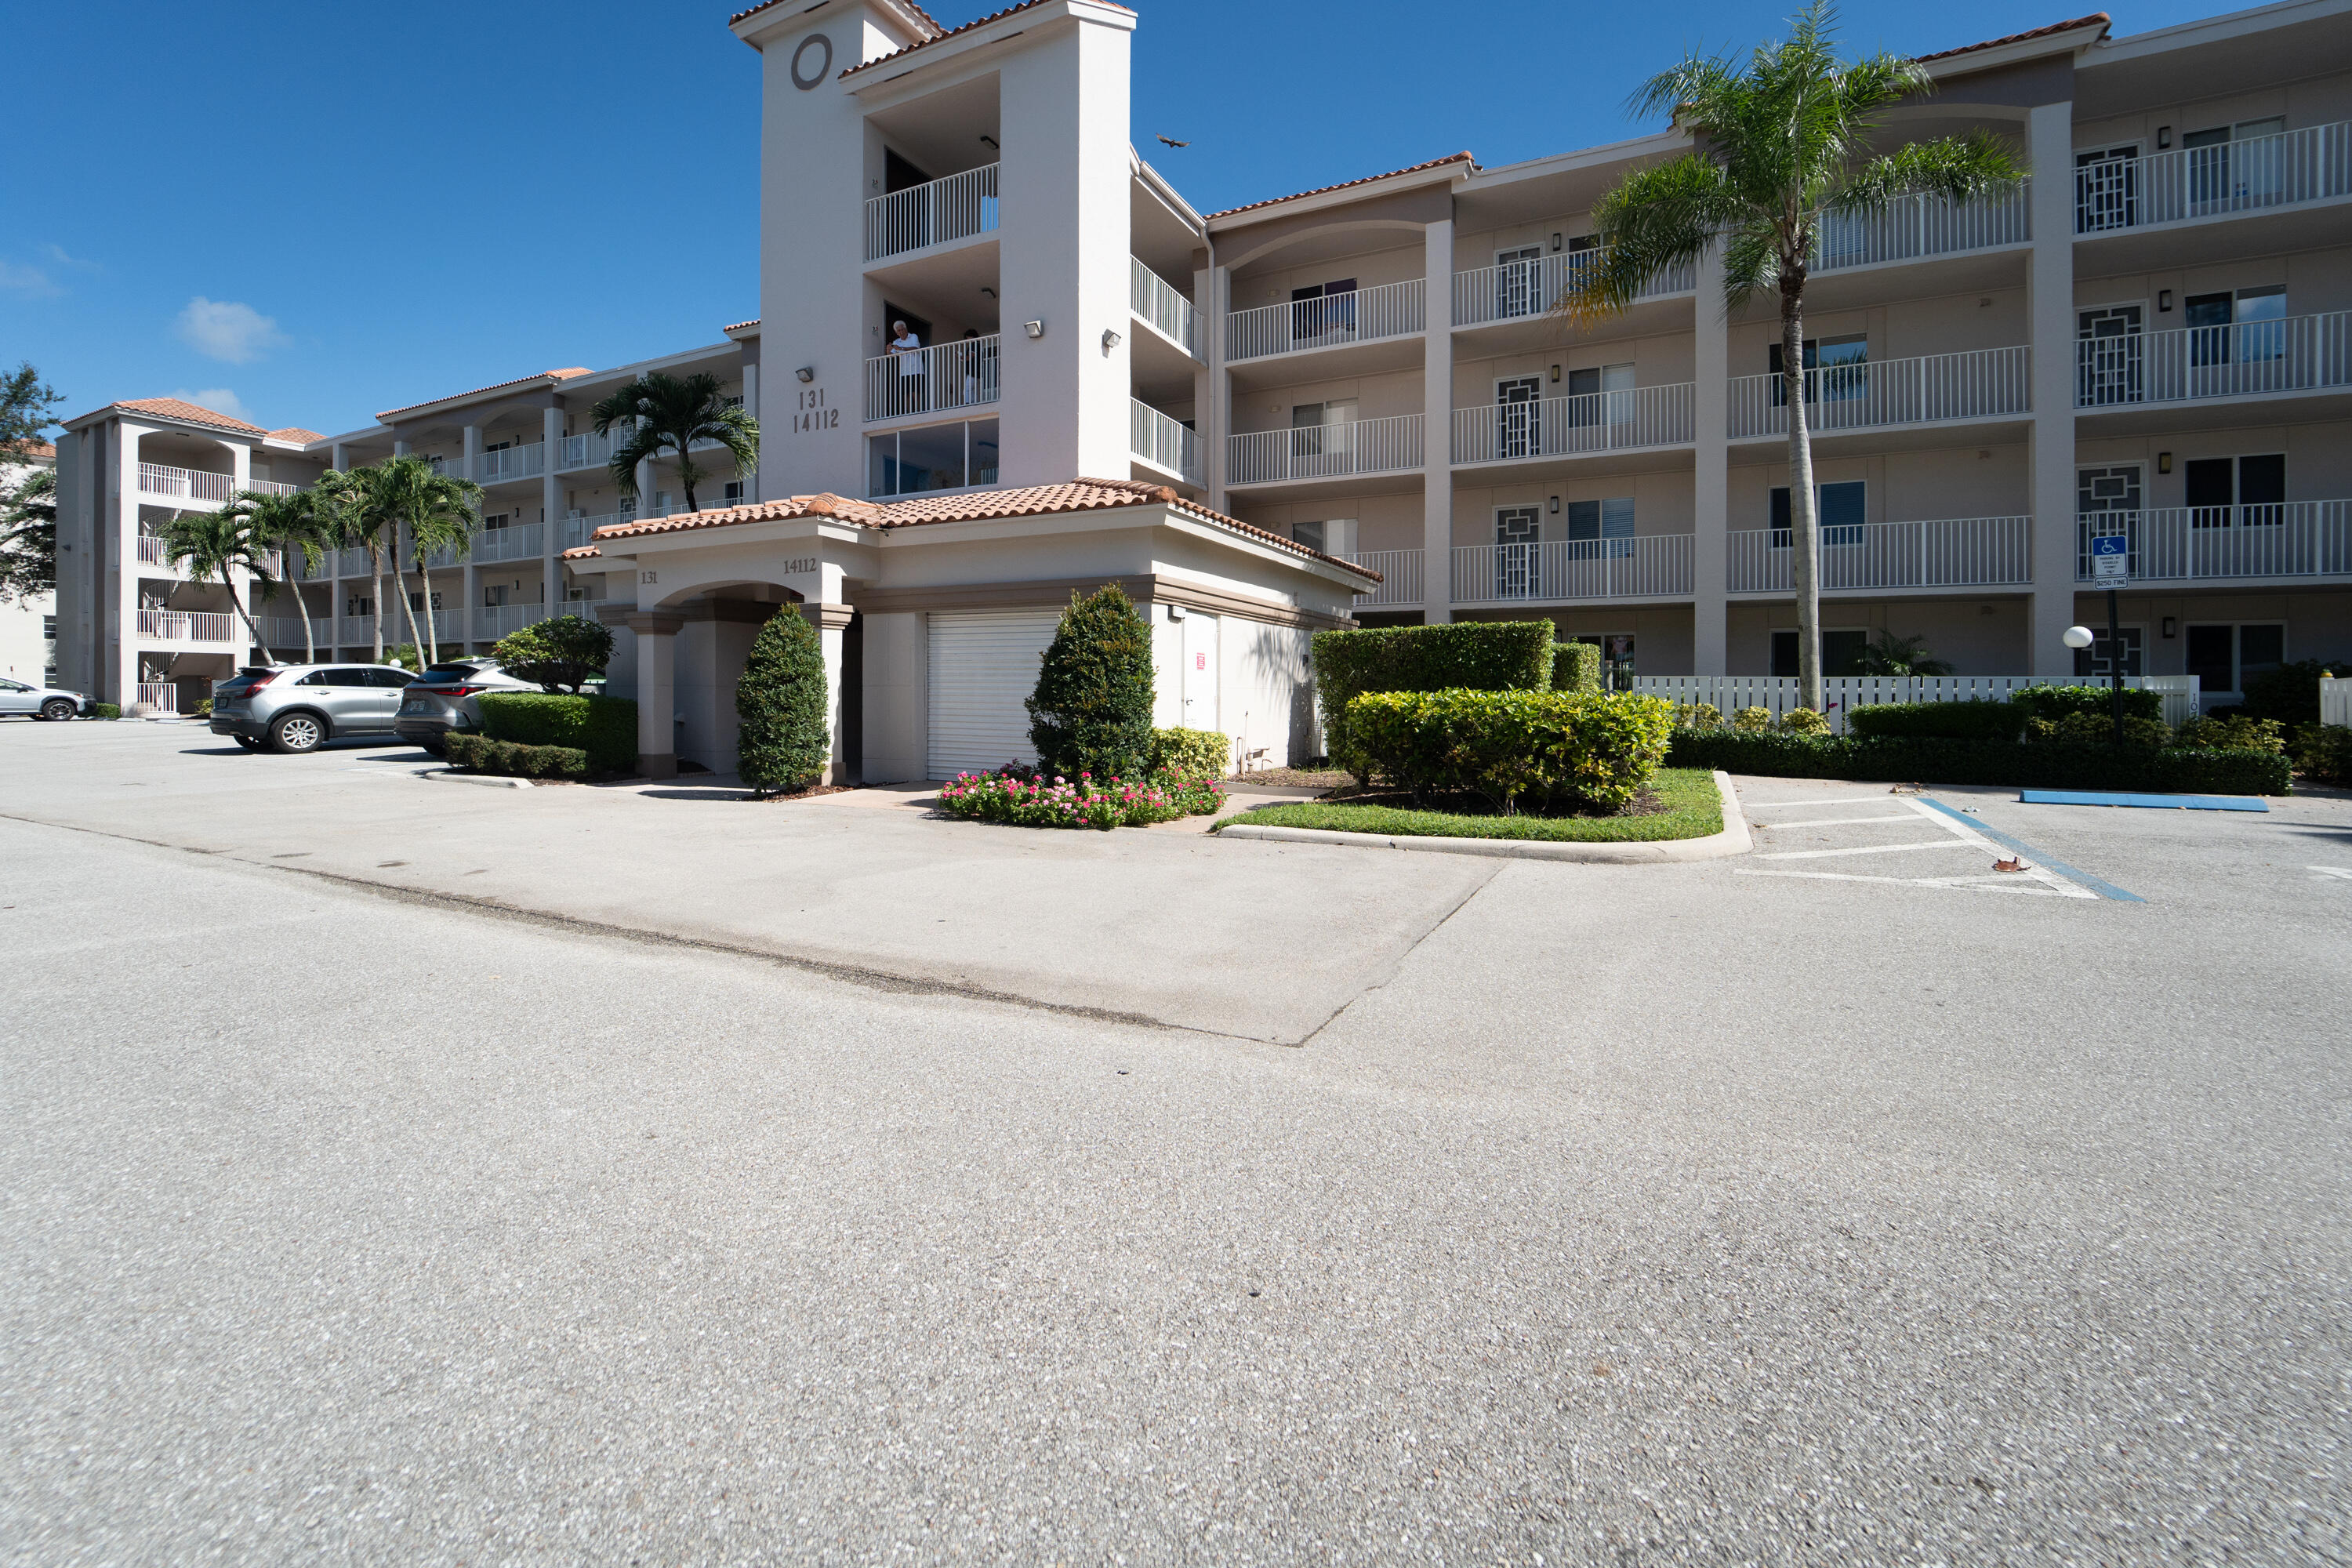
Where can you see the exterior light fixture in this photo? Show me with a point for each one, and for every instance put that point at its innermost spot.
(2078, 637)
(2163, 137)
(1555, 372)
(806, 372)
(1110, 340)
(989, 142)
(2164, 462)
(1555, 242)
(1035, 329)
(1555, 505)
(2164, 298)
(2171, 627)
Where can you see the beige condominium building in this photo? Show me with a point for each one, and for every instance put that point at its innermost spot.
(999, 356)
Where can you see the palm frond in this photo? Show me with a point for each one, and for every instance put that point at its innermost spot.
(1958, 168)
(1659, 217)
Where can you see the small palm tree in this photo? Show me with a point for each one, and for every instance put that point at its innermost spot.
(1892, 654)
(407, 497)
(1784, 142)
(214, 546)
(289, 524)
(670, 414)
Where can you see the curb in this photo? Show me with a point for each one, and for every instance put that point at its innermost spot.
(1732, 841)
(489, 780)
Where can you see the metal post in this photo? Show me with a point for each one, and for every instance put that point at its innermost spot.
(2115, 667)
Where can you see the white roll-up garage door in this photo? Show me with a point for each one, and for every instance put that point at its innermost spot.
(983, 666)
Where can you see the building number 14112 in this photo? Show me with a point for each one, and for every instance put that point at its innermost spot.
(813, 414)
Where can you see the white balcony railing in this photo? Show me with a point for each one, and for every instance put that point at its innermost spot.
(1329, 321)
(2186, 543)
(1514, 290)
(2261, 172)
(2294, 354)
(160, 696)
(1979, 384)
(355, 631)
(1325, 451)
(272, 487)
(492, 621)
(1917, 226)
(1565, 426)
(1651, 565)
(590, 451)
(955, 208)
(521, 542)
(190, 484)
(511, 463)
(1400, 572)
(187, 626)
(152, 552)
(1155, 438)
(1156, 300)
(945, 376)
(1954, 553)
(286, 631)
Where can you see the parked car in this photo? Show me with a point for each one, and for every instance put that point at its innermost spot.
(302, 707)
(442, 700)
(40, 701)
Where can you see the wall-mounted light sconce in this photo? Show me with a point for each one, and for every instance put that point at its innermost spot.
(989, 142)
(1555, 372)
(987, 290)
(806, 372)
(2164, 462)
(2171, 627)
(1175, 612)
(2164, 298)
(1555, 506)
(1035, 329)
(1555, 242)
(1110, 340)
(2163, 137)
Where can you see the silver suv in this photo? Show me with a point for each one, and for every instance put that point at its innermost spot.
(302, 707)
(442, 700)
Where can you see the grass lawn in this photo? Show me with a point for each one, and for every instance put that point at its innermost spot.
(1685, 800)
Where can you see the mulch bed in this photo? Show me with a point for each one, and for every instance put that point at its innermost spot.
(809, 792)
(1297, 778)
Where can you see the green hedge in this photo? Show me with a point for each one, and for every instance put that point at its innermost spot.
(606, 728)
(106, 711)
(1930, 760)
(1478, 656)
(1977, 720)
(2324, 752)
(2058, 702)
(1549, 747)
(783, 711)
(1575, 667)
(480, 754)
(1191, 754)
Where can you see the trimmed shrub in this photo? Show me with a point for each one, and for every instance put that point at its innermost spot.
(559, 653)
(1752, 721)
(106, 711)
(2085, 728)
(1803, 721)
(1547, 747)
(1190, 753)
(1575, 667)
(203, 708)
(1475, 655)
(2055, 703)
(480, 754)
(2323, 753)
(1091, 711)
(606, 728)
(2235, 733)
(784, 707)
(1701, 716)
(2290, 693)
(1973, 720)
(1925, 760)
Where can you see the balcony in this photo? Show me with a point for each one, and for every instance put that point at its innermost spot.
(936, 212)
(1400, 572)
(272, 487)
(2219, 543)
(2259, 173)
(160, 696)
(1152, 438)
(943, 377)
(1646, 566)
(354, 631)
(286, 631)
(1391, 445)
(1363, 316)
(492, 621)
(1983, 384)
(185, 484)
(1589, 422)
(1517, 290)
(522, 542)
(152, 552)
(1919, 226)
(187, 626)
(2189, 365)
(525, 462)
(1155, 300)
(585, 452)
(1957, 552)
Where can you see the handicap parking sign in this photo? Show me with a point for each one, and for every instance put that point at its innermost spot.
(2110, 557)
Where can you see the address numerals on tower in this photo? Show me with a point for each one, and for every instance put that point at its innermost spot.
(813, 414)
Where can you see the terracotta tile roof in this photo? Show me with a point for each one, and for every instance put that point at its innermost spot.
(582, 552)
(738, 326)
(34, 450)
(565, 375)
(2096, 19)
(296, 433)
(951, 32)
(765, 5)
(1368, 179)
(179, 408)
(977, 506)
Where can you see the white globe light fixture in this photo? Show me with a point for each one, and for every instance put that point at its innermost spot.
(2079, 637)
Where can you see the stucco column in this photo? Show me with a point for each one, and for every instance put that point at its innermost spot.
(2050, 310)
(1214, 288)
(832, 623)
(751, 407)
(646, 487)
(470, 576)
(399, 447)
(1710, 475)
(240, 469)
(1437, 427)
(550, 505)
(121, 511)
(657, 636)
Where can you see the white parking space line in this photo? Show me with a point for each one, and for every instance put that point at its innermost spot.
(2331, 872)
(2028, 878)
(2000, 882)
(1825, 800)
(1836, 821)
(1866, 850)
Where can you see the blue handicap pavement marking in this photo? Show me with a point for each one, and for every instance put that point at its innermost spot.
(2157, 802)
(2081, 879)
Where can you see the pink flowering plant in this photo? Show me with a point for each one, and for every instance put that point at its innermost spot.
(1030, 797)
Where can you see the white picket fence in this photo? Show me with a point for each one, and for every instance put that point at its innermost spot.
(1778, 693)
(2335, 700)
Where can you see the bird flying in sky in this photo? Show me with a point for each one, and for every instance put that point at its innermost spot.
(1173, 142)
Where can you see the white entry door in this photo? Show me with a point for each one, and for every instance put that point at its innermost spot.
(983, 666)
(1200, 671)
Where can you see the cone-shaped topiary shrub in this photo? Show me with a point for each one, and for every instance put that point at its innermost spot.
(781, 699)
(1091, 713)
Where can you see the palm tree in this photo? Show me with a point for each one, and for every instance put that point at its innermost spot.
(1783, 142)
(406, 495)
(670, 414)
(286, 523)
(214, 546)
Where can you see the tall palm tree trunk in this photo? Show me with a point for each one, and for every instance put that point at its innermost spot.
(375, 578)
(228, 582)
(400, 581)
(430, 653)
(287, 550)
(1806, 531)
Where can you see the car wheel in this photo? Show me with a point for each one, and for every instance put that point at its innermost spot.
(57, 709)
(297, 732)
(248, 742)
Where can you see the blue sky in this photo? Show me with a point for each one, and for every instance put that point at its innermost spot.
(308, 214)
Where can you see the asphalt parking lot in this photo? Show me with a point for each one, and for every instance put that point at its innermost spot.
(397, 1171)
